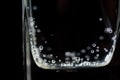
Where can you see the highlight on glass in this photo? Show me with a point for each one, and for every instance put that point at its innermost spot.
(69, 34)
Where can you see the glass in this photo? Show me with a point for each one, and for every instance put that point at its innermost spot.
(69, 34)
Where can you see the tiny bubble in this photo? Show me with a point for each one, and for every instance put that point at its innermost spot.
(51, 35)
(53, 61)
(100, 19)
(94, 45)
(92, 51)
(88, 48)
(45, 42)
(83, 51)
(38, 30)
(35, 8)
(105, 49)
(101, 38)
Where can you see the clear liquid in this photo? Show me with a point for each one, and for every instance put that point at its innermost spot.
(68, 34)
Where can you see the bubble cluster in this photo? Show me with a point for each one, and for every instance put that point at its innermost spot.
(105, 49)
(78, 58)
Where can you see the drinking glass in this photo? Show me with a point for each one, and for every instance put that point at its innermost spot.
(69, 34)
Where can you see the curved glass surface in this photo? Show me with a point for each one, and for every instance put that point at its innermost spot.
(67, 34)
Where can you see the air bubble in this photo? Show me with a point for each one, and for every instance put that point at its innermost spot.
(78, 59)
(53, 61)
(35, 7)
(45, 60)
(37, 60)
(96, 57)
(36, 26)
(92, 51)
(98, 47)
(38, 30)
(45, 63)
(31, 23)
(49, 48)
(45, 42)
(88, 48)
(100, 19)
(69, 54)
(67, 58)
(101, 37)
(44, 55)
(74, 58)
(87, 57)
(97, 50)
(81, 59)
(56, 56)
(51, 35)
(49, 61)
(83, 51)
(40, 48)
(59, 60)
(108, 30)
(105, 49)
(94, 45)
(78, 54)
(50, 56)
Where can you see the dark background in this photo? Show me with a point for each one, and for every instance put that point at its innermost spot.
(110, 72)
